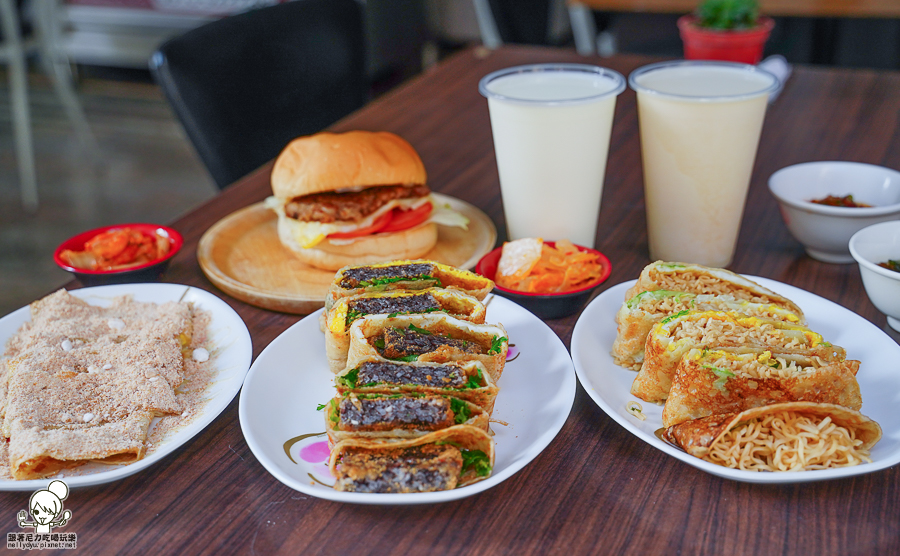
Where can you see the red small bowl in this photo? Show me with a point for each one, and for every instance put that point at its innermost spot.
(148, 271)
(545, 305)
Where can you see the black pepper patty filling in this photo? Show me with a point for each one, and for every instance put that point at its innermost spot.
(400, 342)
(427, 413)
(397, 373)
(353, 276)
(420, 303)
(417, 469)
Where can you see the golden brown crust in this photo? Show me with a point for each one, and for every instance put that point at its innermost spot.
(698, 436)
(329, 161)
(364, 331)
(700, 279)
(699, 392)
(464, 436)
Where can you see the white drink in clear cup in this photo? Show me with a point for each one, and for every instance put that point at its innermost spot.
(700, 124)
(551, 125)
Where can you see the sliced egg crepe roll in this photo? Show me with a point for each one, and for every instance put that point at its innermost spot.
(442, 460)
(466, 380)
(676, 335)
(795, 436)
(397, 415)
(698, 279)
(718, 382)
(347, 310)
(637, 316)
(432, 337)
(405, 275)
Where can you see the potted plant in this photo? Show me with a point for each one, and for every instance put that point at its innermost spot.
(730, 30)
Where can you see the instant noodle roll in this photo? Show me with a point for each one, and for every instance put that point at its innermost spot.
(442, 460)
(718, 382)
(432, 337)
(397, 415)
(796, 436)
(405, 275)
(466, 380)
(637, 316)
(349, 309)
(699, 279)
(675, 335)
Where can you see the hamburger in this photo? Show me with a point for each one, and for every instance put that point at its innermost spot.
(355, 198)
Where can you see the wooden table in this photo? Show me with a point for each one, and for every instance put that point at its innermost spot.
(596, 488)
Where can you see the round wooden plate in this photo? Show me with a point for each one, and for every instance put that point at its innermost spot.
(242, 255)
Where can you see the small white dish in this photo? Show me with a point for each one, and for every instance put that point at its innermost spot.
(231, 347)
(871, 246)
(825, 230)
(610, 385)
(290, 378)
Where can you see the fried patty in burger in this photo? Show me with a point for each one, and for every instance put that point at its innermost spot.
(355, 198)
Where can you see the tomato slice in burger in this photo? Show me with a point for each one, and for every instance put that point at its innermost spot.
(404, 219)
(377, 225)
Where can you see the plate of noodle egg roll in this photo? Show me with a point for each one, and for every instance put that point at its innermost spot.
(743, 377)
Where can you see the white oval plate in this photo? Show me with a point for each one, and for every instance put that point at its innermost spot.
(231, 349)
(609, 385)
(291, 377)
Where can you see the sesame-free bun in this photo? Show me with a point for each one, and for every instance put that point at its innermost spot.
(328, 161)
(405, 244)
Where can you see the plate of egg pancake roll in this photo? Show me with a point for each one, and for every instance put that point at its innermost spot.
(743, 377)
(413, 385)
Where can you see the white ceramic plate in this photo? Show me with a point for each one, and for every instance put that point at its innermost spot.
(291, 377)
(610, 385)
(231, 351)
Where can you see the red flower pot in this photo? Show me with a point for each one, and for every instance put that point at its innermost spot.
(744, 45)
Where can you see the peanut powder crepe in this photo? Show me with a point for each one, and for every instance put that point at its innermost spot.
(718, 382)
(432, 337)
(442, 460)
(466, 380)
(397, 416)
(84, 382)
(674, 336)
(694, 278)
(348, 310)
(405, 275)
(638, 315)
(797, 436)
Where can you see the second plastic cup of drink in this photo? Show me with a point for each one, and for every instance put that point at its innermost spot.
(551, 125)
(700, 124)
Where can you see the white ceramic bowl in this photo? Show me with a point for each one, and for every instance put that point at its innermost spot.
(873, 245)
(824, 230)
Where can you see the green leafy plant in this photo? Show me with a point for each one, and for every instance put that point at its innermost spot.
(728, 14)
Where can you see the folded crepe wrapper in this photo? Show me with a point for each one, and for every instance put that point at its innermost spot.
(484, 396)
(662, 352)
(479, 419)
(696, 278)
(446, 276)
(337, 333)
(634, 323)
(370, 327)
(698, 392)
(697, 437)
(463, 436)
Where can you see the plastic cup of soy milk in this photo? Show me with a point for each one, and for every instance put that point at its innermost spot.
(551, 125)
(700, 124)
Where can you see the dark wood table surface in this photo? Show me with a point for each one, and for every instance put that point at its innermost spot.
(596, 488)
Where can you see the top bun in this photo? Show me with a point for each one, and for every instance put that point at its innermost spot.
(329, 161)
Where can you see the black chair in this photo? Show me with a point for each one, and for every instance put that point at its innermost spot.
(245, 85)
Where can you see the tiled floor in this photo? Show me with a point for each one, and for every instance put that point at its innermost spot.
(147, 172)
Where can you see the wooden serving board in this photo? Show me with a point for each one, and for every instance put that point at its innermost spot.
(242, 255)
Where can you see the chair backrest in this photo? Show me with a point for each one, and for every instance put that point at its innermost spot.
(245, 85)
